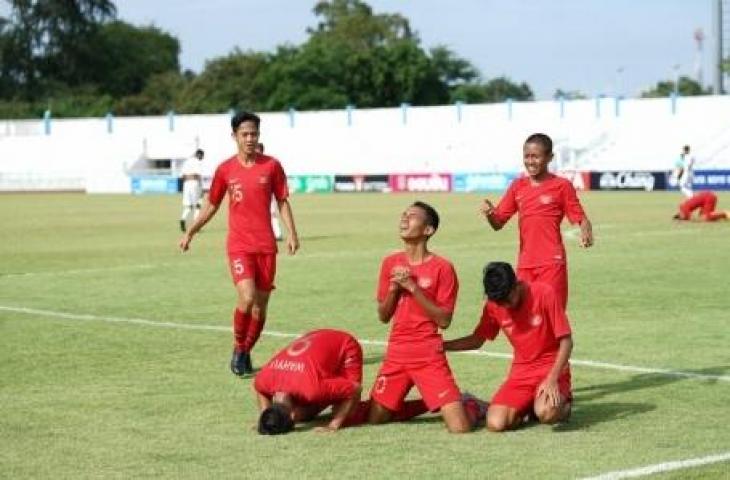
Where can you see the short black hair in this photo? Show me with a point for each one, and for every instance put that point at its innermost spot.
(432, 216)
(686, 149)
(499, 280)
(275, 420)
(541, 139)
(199, 152)
(241, 117)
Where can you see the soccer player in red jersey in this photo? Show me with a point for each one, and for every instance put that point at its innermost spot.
(705, 201)
(319, 369)
(542, 200)
(250, 179)
(417, 289)
(534, 321)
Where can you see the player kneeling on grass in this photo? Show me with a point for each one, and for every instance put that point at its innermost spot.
(417, 289)
(534, 321)
(320, 369)
(705, 202)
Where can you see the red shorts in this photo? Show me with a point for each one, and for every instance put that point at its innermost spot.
(520, 393)
(555, 275)
(433, 380)
(261, 267)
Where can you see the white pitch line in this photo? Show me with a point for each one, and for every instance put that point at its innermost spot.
(662, 467)
(381, 343)
(77, 271)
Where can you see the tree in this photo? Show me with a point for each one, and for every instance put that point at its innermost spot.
(126, 56)
(49, 42)
(452, 69)
(495, 90)
(569, 95)
(685, 87)
(233, 81)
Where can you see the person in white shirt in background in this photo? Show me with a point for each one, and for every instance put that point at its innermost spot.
(683, 172)
(274, 208)
(192, 187)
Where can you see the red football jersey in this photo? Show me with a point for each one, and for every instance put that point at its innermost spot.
(320, 367)
(249, 201)
(534, 329)
(414, 336)
(541, 208)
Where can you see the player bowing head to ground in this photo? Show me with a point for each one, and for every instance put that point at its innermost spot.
(705, 202)
(319, 369)
(250, 179)
(542, 200)
(417, 289)
(533, 320)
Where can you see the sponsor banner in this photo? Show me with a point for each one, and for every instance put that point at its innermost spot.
(628, 180)
(420, 182)
(361, 183)
(580, 180)
(711, 179)
(154, 184)
(310, 183)
(482, 182)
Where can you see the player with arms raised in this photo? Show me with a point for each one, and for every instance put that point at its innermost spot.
(250, 179)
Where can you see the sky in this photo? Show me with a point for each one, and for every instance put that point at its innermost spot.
(593, 46)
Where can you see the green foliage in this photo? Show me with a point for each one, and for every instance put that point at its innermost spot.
(495, 90)
(569, 95)
(126, 57)
(686, 87)
(51, 48)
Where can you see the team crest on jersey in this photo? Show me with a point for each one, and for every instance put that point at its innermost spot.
(545, 199)
(263, 179)
(425, 282)
(536, 320)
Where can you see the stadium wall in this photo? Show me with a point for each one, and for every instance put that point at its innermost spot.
(455, 147)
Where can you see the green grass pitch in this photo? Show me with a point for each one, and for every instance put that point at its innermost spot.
(89, 397)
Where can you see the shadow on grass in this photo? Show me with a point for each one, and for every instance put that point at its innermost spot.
(585, 416)
(643, 381)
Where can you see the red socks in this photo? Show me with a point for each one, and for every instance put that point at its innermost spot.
(255, 327)
(246, 331)
(241, 323)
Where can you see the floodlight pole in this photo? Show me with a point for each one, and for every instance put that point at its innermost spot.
(718, 63)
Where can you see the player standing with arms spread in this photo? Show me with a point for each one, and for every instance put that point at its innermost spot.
(542, 200)
(417, 289)
(250, 179)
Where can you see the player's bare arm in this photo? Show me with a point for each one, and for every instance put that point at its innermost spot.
(440, 317)
(292, 238)
(470, 342)
(487, 210)
(586, 233)
(549, 387)
(341, 411)
(206, 213)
